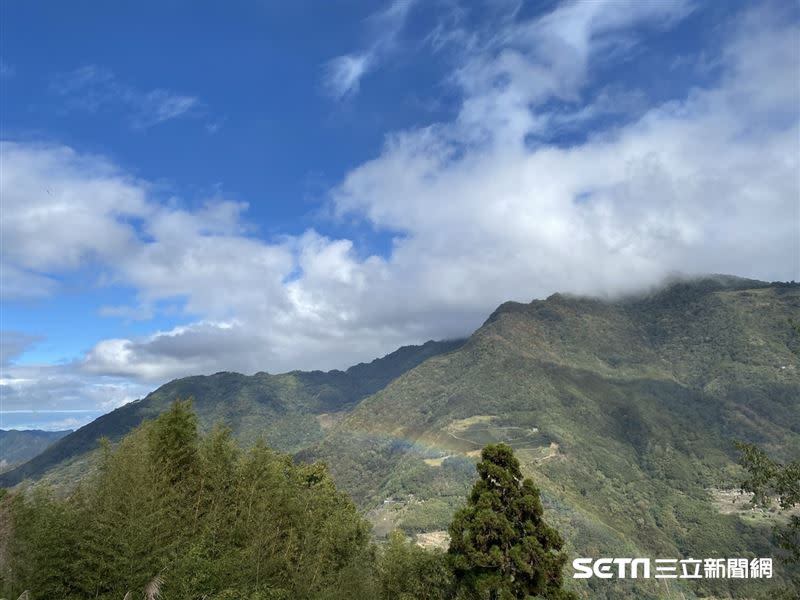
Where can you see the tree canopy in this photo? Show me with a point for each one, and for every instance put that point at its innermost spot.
(768, 479)
(176, 515)
(198, 515)
(500, 546)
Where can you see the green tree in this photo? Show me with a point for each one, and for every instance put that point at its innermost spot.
(500, 546)
(194, 516)
(408, 572)
(768, 479)
(173, 442)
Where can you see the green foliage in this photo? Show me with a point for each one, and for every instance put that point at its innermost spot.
(407, 572)
(282, 408)
(768, 479)
(622, 412)
(633, 402)
(500, 546)
(173, 442)
(43, 544)
(795, 339)
(175, 515)
(207, 518)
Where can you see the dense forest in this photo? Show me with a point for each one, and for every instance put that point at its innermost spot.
(174, 514)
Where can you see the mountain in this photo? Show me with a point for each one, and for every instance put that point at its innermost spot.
(289, 410)
(18, 446)
(624, 412)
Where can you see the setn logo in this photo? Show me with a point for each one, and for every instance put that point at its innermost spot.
(604, 568)
(668, 568)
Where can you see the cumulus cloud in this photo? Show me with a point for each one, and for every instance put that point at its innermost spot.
(92, 88)
(60, 209)
(208, 346)
(484, 209)
(690, 185)
(51, 396)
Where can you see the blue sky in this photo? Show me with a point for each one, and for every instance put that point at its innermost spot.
(195, 187)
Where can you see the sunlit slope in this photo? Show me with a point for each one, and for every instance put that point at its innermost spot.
(625, 413)
(289, 410)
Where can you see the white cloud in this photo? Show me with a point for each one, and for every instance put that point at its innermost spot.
(59, 209)
(60, 388)
(19, 283)
(162, 105)
(343, 74)
(517, 66)
(92, 88)
(704, 184)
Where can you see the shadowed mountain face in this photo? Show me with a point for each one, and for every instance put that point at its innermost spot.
(18, 446)
(624, 412)
(289, 410)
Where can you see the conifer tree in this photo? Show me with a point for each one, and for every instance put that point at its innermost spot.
(500, 546)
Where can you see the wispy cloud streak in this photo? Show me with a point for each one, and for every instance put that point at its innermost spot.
(92, 88)
(343, 74)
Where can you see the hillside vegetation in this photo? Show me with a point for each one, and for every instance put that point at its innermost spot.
(19, 446)
(175, 515)
(289, 410)
(625, 412)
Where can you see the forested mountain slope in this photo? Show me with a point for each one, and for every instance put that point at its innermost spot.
(288, 410)
(18, 446)
(625, 412)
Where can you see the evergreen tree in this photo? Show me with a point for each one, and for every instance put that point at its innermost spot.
(768, 480)
(500, 546)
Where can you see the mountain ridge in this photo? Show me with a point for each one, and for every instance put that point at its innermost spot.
(624, 411)
(287, 397)
(20, 445)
